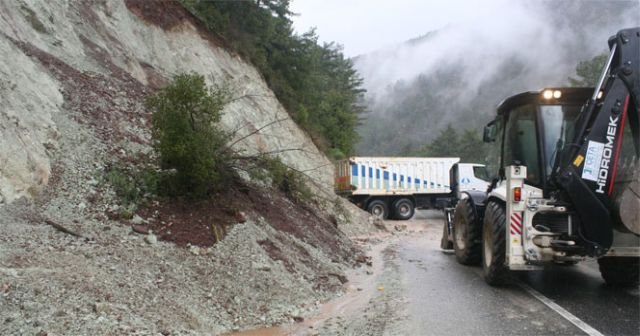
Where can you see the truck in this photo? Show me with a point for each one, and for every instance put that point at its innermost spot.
(393, 187)
(567, 179)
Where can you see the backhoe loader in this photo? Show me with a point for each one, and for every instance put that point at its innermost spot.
(567, 183)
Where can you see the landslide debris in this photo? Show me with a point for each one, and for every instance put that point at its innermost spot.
(73, 90)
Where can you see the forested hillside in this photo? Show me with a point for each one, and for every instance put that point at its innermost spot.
(315, 82)
(432, 95)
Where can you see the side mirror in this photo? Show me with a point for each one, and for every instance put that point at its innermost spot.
(490, 132)
(501, 174)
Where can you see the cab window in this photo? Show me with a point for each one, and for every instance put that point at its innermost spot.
(520, 142)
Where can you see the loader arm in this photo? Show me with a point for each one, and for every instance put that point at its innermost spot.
(586, 169)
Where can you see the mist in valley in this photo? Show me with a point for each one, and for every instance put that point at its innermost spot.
(458, 74)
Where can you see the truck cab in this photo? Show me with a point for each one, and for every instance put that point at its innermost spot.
(468, 177)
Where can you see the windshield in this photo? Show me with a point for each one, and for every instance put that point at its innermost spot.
(481, 173)
(558, 126)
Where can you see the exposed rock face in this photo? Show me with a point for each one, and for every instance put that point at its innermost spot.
(73, 78)
(28, 96)
(105, 40)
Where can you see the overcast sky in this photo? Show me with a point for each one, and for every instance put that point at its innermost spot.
(362, 26)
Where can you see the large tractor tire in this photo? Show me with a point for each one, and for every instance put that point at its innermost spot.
(403, 209)
(378, 209)
(467, 233)
(494, 244)
(620, 271)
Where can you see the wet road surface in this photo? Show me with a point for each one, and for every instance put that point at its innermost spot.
(419, 290)
(414, 288)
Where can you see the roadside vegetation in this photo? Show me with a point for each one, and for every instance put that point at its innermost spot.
(279, 176)
(187, 138)
(317, 85)
(193, 157)
(134, 186)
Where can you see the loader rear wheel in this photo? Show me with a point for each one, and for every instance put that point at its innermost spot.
(494, 244)
(620, 271)
(378, 209)
(467, 233)
(403, 209)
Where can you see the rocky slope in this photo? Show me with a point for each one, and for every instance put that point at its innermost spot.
(72, 85)
(98, 57)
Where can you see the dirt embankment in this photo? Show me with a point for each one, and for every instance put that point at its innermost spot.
(276, 267)
(73, 88)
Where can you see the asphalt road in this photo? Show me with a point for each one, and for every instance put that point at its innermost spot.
(419, 290)
(444, 294)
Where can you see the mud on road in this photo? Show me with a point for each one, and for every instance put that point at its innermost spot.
(413, 288)
(375, 300)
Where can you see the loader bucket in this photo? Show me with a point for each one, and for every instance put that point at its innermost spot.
(627, 204)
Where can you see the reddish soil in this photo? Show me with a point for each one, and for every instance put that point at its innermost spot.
(170, 15)
(96, 100)
(276, 253)
(185, 222)
(303, 222)
(166, 14)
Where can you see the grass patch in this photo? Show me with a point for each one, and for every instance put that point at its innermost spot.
(282, 177)
(133, 186)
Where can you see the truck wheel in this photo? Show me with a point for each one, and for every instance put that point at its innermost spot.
(403, 209)
(378, 209)
(466, 234)
(620, 271)
(494, 245)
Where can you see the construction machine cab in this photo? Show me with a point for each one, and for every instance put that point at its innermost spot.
(532, 128)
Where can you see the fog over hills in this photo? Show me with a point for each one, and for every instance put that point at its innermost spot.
(458, 74)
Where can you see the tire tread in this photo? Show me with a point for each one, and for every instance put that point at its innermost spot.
(495, 220)
(472, 253)
(396, 213)
(620, 271)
